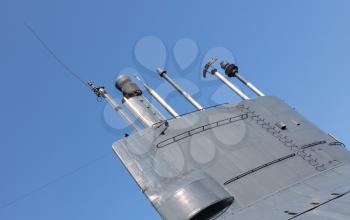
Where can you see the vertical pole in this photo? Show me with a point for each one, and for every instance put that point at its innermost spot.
(189, 98)
(231, 85)
(161, 101)
(231, 70)
(249, 85)
(101, 92)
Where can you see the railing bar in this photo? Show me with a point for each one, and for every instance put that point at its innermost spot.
(203, 128)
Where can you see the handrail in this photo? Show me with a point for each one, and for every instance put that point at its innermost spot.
(200, 129)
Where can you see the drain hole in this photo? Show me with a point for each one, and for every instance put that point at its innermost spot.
(213, 210)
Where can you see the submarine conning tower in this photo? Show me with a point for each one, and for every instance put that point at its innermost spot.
(256, 159)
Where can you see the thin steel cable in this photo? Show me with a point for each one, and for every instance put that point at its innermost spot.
(59, 178)
(52, 53)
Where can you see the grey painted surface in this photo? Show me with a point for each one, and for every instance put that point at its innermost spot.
(239, 151)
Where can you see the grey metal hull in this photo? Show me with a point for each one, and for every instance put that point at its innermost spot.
(258, 159)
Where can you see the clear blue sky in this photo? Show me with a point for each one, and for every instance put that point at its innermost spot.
(54, 136)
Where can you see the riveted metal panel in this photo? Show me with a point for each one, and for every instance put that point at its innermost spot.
(272, 184)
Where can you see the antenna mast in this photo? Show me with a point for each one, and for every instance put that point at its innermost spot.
(100, 92)
(157, 97)
(231, 70)
(188, 97)
(215, 72)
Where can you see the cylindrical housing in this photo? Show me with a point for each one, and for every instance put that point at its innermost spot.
(137, 103)
(127, 86)
(231, 85)
(200, 199)
(143, 110)
(188, 97)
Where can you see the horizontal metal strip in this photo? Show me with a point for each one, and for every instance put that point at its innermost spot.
(321, 204)
(258, 168)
